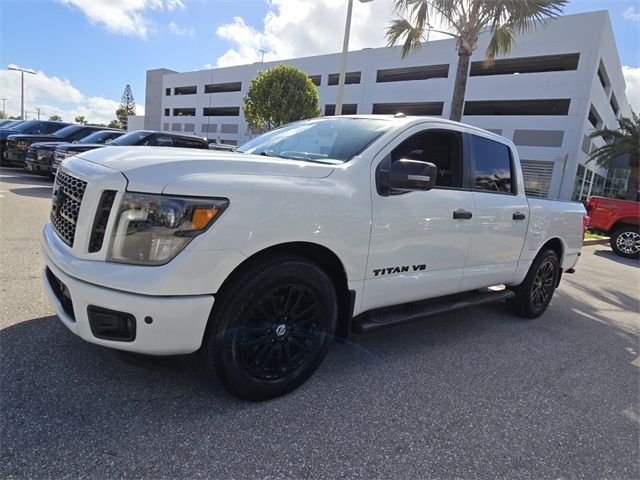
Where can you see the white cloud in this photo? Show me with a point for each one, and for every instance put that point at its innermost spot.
(180, 31)
(294, 28)
(632, 78)
(55, 96)
(124, 17)
(631, 14)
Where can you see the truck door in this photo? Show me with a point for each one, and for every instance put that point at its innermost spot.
(420, 239)
(501, 216)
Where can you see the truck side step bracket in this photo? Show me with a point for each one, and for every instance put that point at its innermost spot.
(386, 317)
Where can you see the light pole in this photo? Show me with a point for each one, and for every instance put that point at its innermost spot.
(22, 70)
(343, 62)
(4, 111)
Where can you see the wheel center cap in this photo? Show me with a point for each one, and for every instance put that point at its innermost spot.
(281, 329)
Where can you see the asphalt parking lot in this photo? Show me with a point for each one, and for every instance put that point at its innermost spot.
(473, 394)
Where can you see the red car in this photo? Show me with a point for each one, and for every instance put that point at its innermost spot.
(621, 220)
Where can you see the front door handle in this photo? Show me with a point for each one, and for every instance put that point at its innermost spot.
(519, 216)
(462, 215)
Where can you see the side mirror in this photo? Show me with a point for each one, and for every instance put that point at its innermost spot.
(409, 175)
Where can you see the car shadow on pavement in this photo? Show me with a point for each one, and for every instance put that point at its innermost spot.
(70, 408)
(608, 253)
(37, 192)
(20, 176)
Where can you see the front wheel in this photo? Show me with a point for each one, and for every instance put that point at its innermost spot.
(625, 241)
(534, 294)
(271, 328)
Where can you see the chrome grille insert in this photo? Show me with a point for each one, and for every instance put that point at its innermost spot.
(65, 205)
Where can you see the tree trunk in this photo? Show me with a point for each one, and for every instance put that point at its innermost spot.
(460, 86)
(632, 185)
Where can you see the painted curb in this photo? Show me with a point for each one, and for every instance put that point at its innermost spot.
(596, 241)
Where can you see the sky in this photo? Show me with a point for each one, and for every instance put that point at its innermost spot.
(86, 51)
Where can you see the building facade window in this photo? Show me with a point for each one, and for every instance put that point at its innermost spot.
(221, 111)
(423, 72)
(347, 109)
(559, 106)
(594, 118)
(603, 77)
(615, 185)
(167, 112)
(190, 90)
(316, 79)
(176, 127)
(209, 127)
(349, 79)
(538, 138)
(539, 64)
(165, 127)
(189, 127)
(184, 112)
(167, 92)
(223, 87)
(614, 105)
(408, 108)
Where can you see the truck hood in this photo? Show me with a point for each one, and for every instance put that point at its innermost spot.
(150, 169)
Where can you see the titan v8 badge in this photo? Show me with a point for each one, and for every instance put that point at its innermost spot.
(379, 272)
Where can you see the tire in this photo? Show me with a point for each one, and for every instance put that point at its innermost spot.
(625, 241)
(534, 294)
(271, 328)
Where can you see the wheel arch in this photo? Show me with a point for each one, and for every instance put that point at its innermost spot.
(625, 222)
(556, 245)
(324, 258)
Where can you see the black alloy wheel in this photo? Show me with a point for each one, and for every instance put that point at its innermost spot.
(271, 327)
(534, 294)
(282, 330)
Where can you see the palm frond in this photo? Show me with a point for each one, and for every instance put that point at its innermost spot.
(401, 30)
(625, 140)
(500, 43)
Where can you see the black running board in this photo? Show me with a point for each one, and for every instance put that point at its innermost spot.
(390, 316)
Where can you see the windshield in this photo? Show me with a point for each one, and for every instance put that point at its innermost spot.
(98, 137)
(326, 140)
(26, 126)
(133, 138)
(66, 131)
(12, 123)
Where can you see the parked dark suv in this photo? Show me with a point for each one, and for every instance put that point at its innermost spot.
(30, 127)
(40, 155)
(18, 144)
(138, 137)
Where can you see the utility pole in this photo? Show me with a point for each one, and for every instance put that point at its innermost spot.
(262, 52)
(343, 61)
(4, 111)
(38, 109)
(22, 71)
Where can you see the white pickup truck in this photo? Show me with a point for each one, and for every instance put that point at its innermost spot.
(259, 257)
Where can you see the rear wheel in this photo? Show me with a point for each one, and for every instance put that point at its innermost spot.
(534, 294)
(625, 241)
(271, 328)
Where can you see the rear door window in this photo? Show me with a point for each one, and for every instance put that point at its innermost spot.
(493, 168)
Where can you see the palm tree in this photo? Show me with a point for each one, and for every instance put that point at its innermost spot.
(465, 20)
(625, 140)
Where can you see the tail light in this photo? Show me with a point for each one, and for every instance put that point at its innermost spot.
(585, 224)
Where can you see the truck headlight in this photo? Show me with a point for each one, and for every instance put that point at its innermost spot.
(153, 229)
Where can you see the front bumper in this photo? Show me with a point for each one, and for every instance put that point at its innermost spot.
(39, 166)
(177, 323)
(16, 156)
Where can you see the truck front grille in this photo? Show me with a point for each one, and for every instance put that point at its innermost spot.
(65, 205)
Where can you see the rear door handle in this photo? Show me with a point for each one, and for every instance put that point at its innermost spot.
(519, 216)
(462, 215)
